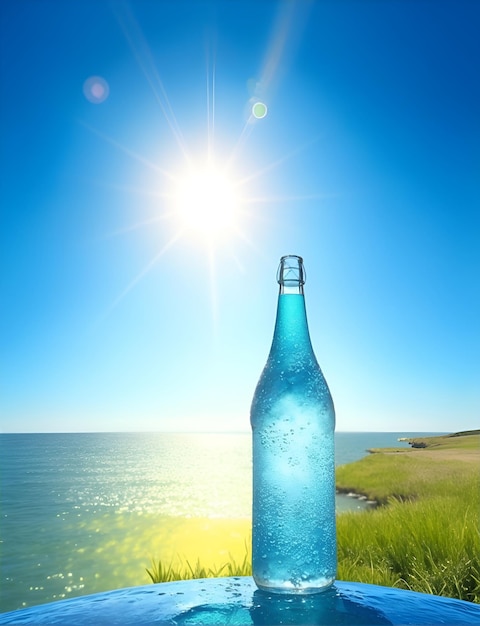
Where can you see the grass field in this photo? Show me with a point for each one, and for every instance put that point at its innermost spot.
(424, 535)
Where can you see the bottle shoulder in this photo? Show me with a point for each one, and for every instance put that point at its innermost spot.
(298, 361)
(306, 385)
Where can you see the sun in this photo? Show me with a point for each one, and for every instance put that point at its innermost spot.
(207, 202)
(207, 194)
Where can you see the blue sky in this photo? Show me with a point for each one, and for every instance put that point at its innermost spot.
(120, 314)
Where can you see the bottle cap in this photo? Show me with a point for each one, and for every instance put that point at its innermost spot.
(291, 272)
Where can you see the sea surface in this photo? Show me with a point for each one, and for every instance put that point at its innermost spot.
(84, 513)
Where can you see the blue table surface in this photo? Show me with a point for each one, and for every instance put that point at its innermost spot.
(236, 600)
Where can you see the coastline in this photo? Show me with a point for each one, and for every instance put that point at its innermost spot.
(426, 539)
(361, 497)
(423, 535)
(433, 497)
(363, 478)
(466, 444)
(106, 504)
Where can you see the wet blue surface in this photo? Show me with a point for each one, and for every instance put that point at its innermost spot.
(237, 601)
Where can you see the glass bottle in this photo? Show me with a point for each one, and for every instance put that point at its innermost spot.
(293, 423)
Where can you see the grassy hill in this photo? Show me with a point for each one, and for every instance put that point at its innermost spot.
(425, 533)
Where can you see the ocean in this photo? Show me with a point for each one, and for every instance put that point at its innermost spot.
(84, 513)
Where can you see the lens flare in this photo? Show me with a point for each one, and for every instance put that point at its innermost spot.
(259, 110)
(96, 89)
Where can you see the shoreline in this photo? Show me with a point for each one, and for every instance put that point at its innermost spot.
(461, 446)
(362, 497)
(423, 535)
(387, 473)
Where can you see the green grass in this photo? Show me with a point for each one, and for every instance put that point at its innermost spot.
(161, 573)
(430, 545)
(468, 440)
(425, 534)
(407, 476)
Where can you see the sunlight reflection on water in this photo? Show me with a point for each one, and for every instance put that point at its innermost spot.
(83, 513)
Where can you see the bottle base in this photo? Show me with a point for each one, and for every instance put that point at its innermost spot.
(289, 588)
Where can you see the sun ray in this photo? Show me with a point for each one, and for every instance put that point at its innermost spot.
(210, 104)
(287, 30)
(244, 135)
(274, 164)
(143, 55)
(290, 21)
(209, 128)
(283, 198)
(130, 153)
(139, 277)
(140, 191)
(213, 291)
(238, 263)
(136, 226)
(257, 249)
(214, 73)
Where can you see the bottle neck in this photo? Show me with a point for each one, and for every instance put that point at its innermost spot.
(291, 334)
(291, 289)
(291, 340)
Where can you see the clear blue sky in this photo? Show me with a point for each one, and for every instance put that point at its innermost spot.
(118, 313)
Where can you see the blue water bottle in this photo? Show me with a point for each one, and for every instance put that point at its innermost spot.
(293, 424)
